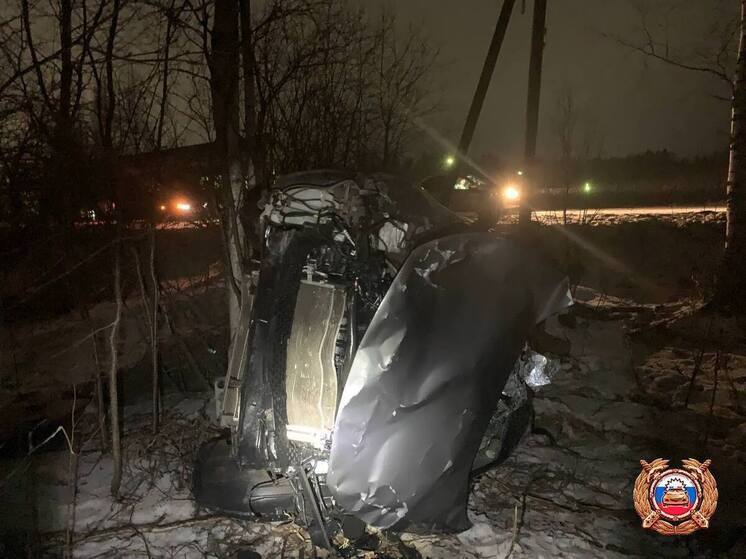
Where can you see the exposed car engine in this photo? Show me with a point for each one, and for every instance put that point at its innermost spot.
(374, 312)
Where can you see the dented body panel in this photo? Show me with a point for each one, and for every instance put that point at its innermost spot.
(427, 376)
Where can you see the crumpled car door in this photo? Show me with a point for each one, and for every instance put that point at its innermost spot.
(427, 376)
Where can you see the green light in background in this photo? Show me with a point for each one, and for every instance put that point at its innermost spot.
(449, 161)
(587, 187)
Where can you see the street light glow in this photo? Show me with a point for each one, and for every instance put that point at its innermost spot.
(450, 161)
(183, 206)
(511, 193)
(587, 188)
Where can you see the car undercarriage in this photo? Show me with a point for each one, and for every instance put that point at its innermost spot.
(381, 358)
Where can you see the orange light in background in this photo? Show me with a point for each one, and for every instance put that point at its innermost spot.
(511, 193)
(184, 206)
(163, 208)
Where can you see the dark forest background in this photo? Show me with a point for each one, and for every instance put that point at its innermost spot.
(88, 90)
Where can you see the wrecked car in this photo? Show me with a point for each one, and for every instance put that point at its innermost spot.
(381, 360)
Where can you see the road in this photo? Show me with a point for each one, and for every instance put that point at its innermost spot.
(619, 215)
(656, 210)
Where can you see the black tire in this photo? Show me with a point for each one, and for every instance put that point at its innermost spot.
(514, 427)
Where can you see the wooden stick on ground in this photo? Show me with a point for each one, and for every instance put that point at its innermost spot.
(154, 332)
(116, 444)
(100, 405)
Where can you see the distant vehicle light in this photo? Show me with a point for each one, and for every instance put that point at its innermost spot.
(183, 206)
(511, 193)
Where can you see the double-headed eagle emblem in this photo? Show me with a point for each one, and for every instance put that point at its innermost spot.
(675, 502)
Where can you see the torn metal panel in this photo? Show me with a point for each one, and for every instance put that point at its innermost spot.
(427, 376)
(262, 438)
(230, 400)
(311, 382)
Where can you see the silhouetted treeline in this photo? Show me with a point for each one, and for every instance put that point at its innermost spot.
(323, 83)
(647, 178)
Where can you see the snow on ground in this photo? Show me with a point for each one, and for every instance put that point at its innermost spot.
(566, 492)
(616, 403)
(614, 216)
(155, 515)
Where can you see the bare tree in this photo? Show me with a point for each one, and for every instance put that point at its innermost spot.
(277, 86)
(565, 123)
(223, 60)
(731, 285)
(566, 118)
(592, 139)
(156, 386)
(116, 430)
(718, 49)
(53, 100)
(401, 87)
(335, 88)
(322, 86)
(708, 46)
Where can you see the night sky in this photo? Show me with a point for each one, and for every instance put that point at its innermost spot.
(635, 103)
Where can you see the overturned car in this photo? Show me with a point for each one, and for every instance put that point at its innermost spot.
(382, 359)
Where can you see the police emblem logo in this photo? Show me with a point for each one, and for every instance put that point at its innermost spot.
(675, 502)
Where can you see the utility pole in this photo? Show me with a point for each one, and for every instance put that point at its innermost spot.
(484, 80)
(532, 108)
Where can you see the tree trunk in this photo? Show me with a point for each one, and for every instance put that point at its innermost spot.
(730, 290)
(224, 78)
(116, 444)
(154, 334)
(100, 404)
(170, 16)
(63, 133)
(254, 158)
(66, 64)
(248, 65)
(108, 139)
